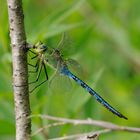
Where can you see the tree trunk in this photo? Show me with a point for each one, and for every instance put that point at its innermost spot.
(20, 70)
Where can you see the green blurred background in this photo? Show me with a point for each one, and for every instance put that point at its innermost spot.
(104, 39)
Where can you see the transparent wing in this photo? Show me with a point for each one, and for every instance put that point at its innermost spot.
(65, 45)
(60, 83)
(74, 66)
(63, 41)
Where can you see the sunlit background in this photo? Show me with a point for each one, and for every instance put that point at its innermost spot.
(103, 37)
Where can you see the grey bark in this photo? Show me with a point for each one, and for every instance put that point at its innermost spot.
(20, 71)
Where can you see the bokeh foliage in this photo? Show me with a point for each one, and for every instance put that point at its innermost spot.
(105, 41)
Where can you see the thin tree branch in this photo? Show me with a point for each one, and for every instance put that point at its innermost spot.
(103, 124)
(83, 136)
(47, 126)
(20, 71)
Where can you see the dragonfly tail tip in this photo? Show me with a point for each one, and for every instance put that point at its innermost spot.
(122, 116)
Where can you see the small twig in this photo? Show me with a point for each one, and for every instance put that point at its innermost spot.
(47, 126)
(83, 136)
(103, 124)
(92, 136)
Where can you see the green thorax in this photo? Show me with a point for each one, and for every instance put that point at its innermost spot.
(50, 56)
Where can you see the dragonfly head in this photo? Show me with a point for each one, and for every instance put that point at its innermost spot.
(40, 47)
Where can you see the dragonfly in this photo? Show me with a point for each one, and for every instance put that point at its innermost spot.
(52, 57)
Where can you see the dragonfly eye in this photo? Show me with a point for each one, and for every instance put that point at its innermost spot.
(43, 47)
(34, 46)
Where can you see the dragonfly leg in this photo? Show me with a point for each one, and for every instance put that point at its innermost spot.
(34, 56)
(38, 76)
(36, 66)
(38, 86)
(43, 81)
(45, 71)
(32, 51)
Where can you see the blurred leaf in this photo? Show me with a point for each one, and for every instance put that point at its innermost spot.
(78, 100)
(54, 27)
(69, 11)
(8, 128)
(4, 40)
(6, 58)
(6, 112)
(54, 30)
